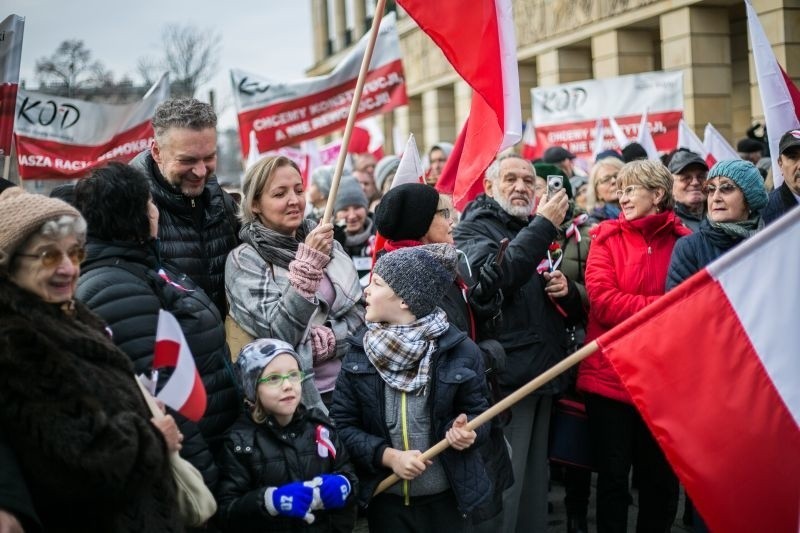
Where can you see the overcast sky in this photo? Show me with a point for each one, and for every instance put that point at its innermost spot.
(267, 37)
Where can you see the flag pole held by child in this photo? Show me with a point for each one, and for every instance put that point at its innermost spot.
(351, 119)
(502, 405)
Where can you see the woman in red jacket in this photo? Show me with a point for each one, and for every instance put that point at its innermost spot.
(626, 270)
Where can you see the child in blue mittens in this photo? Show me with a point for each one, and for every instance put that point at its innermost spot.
(283, 467)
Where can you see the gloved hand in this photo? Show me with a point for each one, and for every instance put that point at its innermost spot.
(292, 499)
(488, 281)
(323, 343)
(334, 491)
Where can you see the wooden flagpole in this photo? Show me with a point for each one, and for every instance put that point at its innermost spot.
(502, 405)
(351, 119)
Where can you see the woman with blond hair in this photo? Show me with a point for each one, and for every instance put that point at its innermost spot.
(625, 272)
(601, 202)
(289, 279)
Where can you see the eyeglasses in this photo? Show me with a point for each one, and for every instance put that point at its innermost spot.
(606, 179)
(444, 212)
(725, 189)
(276, 380)
(688, 178)
(52, 256)
(627, 191)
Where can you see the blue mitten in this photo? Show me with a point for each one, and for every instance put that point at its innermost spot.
(334, 490)
(292, 499)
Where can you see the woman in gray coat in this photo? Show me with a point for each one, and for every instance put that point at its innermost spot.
(289, 279)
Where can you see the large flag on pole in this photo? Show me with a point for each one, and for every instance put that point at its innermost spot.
(11, 30)
(780, 111)
(184, 390)
(65, 137)
(479, 41)
(722, 398)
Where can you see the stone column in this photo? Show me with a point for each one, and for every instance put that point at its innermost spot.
(359, 19)
(340, 23)
(781, 22)
(463, 100)
(438, 116)
(528, 79)
(696, 40)
(319, 21)
(408, 119)
(564, 65)
(620, 52)
(740, 81)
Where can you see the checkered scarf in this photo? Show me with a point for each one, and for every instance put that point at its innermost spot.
(402, 353)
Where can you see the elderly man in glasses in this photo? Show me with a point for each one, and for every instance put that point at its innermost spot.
(689, 172)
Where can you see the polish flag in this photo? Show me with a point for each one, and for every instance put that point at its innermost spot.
(11, 29)
(779, 96)
(480, 43)
(367, 137)
(531, 149)
(717, 147)
(645, 138)
(619, 135)
(184, 390)
(410, 168)
(689, 140)
(722, 398)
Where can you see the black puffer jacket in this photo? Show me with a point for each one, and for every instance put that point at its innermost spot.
(258, 456)
(196, 233)
(533, 332)
(120, 282)
(456, 386)
(78, 424)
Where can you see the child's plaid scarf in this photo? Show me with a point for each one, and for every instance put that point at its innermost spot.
(402, 353)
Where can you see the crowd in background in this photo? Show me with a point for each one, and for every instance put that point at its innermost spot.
(334, 352)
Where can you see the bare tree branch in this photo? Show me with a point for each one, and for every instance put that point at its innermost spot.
(191, 55)
(72, 67)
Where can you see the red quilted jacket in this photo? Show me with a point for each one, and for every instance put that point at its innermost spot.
(626, 270)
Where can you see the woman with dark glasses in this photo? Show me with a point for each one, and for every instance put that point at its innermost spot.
(70, 413)
(735, 197)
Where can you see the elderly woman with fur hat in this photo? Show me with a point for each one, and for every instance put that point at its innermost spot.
(735, 198)
(69, 408)
(290, 280)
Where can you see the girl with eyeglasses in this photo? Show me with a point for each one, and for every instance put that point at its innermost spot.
(626, 271)
(92, 457)
(283, 467)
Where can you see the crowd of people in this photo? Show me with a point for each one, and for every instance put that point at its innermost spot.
(333, 353)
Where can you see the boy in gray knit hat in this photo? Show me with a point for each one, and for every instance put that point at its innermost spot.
(410, 382)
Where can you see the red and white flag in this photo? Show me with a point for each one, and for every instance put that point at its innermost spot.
(531, 148)
(367, 137)
(722, 398)
(480, 44)
(11, 30)
(717, 147)
(65, 138)
(184, 390)
(688, 139)
(284, 113)
(645, 138)
(410, 168)
(780, 111)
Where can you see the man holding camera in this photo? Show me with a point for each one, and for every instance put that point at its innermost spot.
(536, 308)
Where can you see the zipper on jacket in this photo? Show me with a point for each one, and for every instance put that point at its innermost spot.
(649, 250)
(192, 200)
(404, 428)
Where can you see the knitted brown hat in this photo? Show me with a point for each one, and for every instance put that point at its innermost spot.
(21, 214)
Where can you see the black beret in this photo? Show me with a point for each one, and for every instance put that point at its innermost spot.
(406, 211)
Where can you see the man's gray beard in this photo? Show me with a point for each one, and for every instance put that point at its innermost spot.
(517, 211)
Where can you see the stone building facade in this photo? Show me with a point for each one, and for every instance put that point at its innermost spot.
(559, 41)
